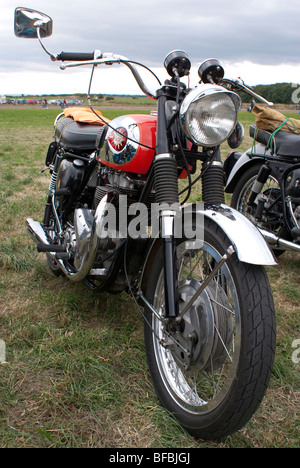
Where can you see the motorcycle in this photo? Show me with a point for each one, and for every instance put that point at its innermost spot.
(265, 180)
(195, 271)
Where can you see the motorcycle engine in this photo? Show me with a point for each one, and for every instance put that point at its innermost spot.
(121, 183)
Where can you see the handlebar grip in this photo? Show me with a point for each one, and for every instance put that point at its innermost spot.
(75, 56)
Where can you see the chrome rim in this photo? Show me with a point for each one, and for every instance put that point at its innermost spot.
(200, 384)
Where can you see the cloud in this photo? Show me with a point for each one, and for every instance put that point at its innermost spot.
(261, 32)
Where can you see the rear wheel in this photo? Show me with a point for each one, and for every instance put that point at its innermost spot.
(213, 372)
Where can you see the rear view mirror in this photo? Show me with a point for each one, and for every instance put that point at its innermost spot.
(28, 22)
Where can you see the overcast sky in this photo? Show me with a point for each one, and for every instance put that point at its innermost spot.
(258, 40)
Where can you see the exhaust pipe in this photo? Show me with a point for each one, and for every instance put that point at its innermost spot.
(278, 242)
(87, 228)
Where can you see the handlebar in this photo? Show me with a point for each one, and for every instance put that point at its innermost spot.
(97, 58)
(109, 59)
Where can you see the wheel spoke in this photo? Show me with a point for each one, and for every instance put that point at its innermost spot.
(197, 386)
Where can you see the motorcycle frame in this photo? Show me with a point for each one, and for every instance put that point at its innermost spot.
(230, 222)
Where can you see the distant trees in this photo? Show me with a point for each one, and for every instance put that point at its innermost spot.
(280, 93)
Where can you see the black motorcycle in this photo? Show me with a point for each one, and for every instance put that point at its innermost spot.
(265, 183)
(114, 219)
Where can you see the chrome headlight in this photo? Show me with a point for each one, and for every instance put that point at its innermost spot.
(208, 114)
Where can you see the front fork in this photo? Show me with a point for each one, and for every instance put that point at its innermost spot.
(167, 221)
(166, 189)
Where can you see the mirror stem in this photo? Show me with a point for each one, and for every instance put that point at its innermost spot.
(53, 57)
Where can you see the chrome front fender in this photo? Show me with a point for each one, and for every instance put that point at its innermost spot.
(248, 242)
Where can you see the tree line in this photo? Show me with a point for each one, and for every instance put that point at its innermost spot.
(280, 93)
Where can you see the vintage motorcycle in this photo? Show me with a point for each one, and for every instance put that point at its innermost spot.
(198, 276)
(265, 181)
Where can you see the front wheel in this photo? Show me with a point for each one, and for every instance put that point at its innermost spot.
(270, 194)
(271, 216)
(213, 371)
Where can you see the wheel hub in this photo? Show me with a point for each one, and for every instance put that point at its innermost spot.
(205, 332)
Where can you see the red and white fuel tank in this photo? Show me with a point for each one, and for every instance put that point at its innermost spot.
(129, 143)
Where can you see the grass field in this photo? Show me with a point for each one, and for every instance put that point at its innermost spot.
(75, 372)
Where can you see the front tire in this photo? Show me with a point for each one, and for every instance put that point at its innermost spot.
(215, 388)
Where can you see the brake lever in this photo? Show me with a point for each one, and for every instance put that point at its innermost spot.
(239, 85)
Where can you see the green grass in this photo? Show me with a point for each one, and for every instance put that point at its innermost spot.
(76, 374)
